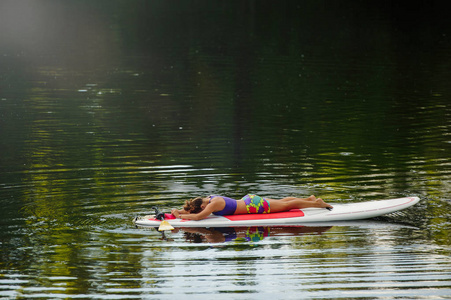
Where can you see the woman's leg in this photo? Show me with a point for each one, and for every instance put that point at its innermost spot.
(286, 204)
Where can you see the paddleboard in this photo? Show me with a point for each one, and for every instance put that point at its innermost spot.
(340, 212)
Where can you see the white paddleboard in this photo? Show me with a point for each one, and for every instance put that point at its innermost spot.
(340, 212)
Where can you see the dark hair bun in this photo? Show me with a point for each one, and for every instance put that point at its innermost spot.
(193, 206)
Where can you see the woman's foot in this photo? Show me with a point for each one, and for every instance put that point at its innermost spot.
(320, 203)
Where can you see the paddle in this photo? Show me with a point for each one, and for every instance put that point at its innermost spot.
(164, 225)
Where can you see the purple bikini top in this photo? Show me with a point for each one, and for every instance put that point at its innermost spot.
(229, 208)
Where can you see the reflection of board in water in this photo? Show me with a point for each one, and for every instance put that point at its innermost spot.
(245, 234)
(340, 212)
(258, 233)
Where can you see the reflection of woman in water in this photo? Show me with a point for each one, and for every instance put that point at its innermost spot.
(250, 234)
(200, 208)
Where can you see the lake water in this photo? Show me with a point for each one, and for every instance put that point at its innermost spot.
(108, 109)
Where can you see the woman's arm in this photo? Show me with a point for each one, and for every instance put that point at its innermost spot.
(210, 208)
(176, 212)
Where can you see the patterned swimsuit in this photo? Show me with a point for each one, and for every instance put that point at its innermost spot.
(254, 205)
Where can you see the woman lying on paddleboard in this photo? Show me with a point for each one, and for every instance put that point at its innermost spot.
(200, 208)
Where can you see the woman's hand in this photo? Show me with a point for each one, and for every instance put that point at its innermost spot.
(175, 213)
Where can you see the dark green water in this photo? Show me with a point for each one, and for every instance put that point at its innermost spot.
(108, 108)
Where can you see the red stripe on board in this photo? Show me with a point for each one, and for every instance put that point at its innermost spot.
(280, 215)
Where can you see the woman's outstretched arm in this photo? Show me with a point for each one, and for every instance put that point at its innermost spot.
(210, 208)
(179, 211)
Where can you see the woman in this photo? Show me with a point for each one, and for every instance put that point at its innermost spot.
(200, 208)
